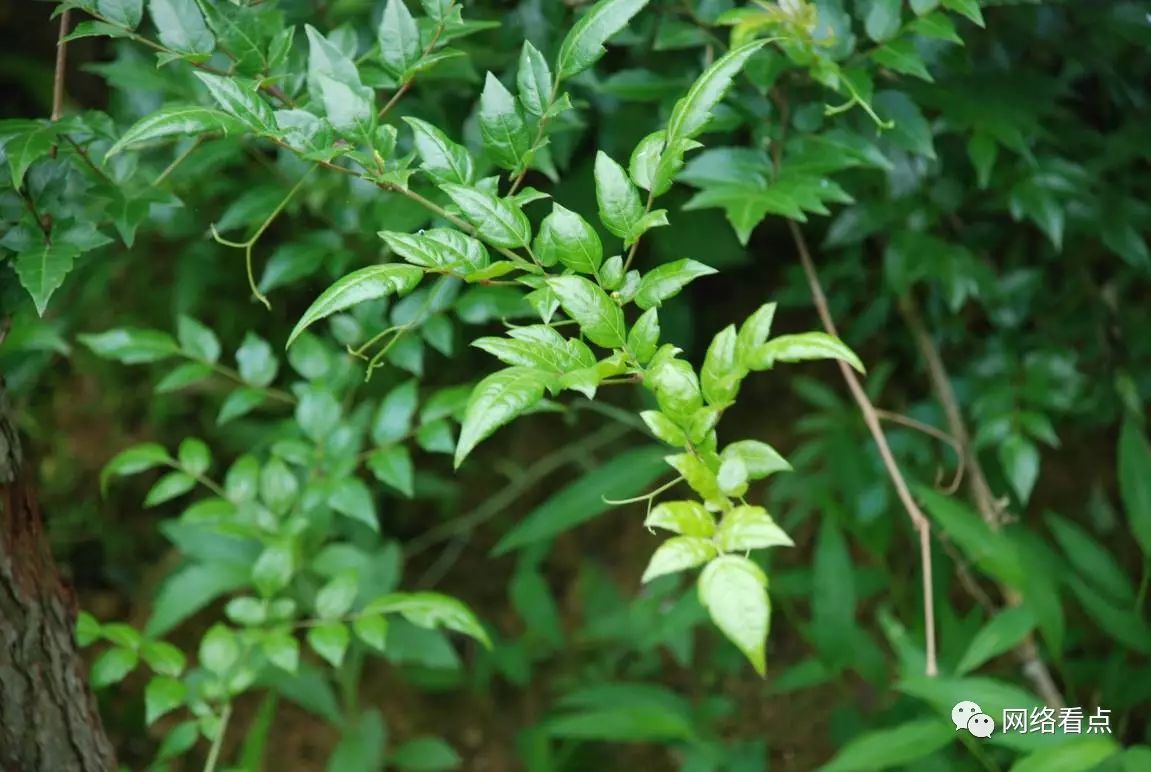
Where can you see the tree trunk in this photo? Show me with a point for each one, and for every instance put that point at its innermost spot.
(48, 719)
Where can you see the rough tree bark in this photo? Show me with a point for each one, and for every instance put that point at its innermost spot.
(48, 718)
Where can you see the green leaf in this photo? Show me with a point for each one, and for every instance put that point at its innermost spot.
(282, 650)
(990, 551)
(968, 8)
(495, 401)
(126, 13)
(804, 347)
(133, 460)
(883, 19)
(317, 413)
(337, 596)
(351, 498)
(219, 650)
(425, 754)
(330, 640)
(687, 518)
(164, 658)
(362, 744)
(372, 630)
(432, 610)
(1075, 754)
(112, 666)
(278, 486)
(1020, 459)
(623, 723)
(440, 248)
(667, 280)
(350, 107)
(655, 162)
(196, 340)
(179, 741)
(1120, 622)
(273, 570)
(643, 339)
(534, 81)
(598, 316)
(131, 346)
(691, 113)
(239, 99)
(255, 361)
(733, 590)
(504, 132)
(393, 466)
(498, 221)
(327, 61)
(169, 487)
(393, 420)
(180, 26)
(678, 553)
(759, 458)
(566, 237)
(162, 695)
(753, 333)
(1135, 482)
(442, 158)
(195, 458)
(900, 55)
(87, 629)
(27, 147)
(894, 747)
(399, 39)
(1092, 560)
(721, 372)
(748, 528)
(1001, 634)
(375, 281)
(583, 45)
(177, 121)
(622, 476)
(42, 270)
(620, 209)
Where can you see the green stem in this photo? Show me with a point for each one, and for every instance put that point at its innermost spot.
(218, 740)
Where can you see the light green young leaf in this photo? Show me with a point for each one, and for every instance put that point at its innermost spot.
(721, 372)
(753, 333)
(759, 458)
(583, 45)
(432, 610)
(239, 99)
(803, 347)
(733, 590)
(87, 629)
(534, 81)
(692, 112)
(399, 39)
(676, 388)
(750, 528)
(441, 248)
(655, 162)
(496, 400)
(164, 658)
(180, 26)
(687, 518)
(566, 237)
(665, 281)
(502, 127)
(664, 428)
(598, 316)
(219, 650)
(194, 456)
(375, 281)
(678, 553)
(1135, 482)
(273, 570)
(131, 346)
(282, 650)
(498, 221)
(330, 640)
(442, 158)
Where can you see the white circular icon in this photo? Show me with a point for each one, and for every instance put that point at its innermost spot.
(981, 725)
(962, 713)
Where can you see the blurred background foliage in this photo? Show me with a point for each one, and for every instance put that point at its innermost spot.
(1000, 222)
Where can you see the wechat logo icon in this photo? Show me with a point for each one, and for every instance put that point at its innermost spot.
(967, 715)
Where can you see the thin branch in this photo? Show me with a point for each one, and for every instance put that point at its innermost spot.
(1034, 668)
(930, 431)
(61, 66)
(871, 418)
